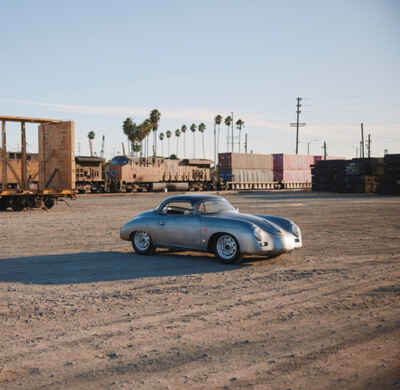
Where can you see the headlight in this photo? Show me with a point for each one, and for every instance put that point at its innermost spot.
(258, 233)
(296, 230)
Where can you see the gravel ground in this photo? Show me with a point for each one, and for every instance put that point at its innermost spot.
(80, 310)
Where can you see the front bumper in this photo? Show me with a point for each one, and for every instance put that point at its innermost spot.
(272, 244)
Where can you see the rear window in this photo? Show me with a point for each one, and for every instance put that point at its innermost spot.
(177, 208)
(215, 206)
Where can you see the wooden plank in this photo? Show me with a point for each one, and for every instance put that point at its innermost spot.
(14, 173)
(23, 156)
(28, 119)
(4, 180)
(51, 178)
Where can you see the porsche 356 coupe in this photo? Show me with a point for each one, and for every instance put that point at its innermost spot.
(209, 223)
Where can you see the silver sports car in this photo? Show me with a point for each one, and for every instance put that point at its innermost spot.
(209, 223)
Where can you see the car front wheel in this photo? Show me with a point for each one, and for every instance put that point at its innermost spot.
(142, 243)
(227, 249)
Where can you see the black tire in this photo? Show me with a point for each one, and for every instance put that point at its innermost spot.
(142, 243)
(227, 249)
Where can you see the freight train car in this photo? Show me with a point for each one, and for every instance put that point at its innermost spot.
(127, 174)
(37, 180)
(89, 174)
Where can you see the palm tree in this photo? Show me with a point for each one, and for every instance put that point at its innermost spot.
(183, 130)
(202, 128)
(217, 122)
(228, 122)
(177, 134)
(239, 126)
(136, 147)
(169, 133)
(161, 136)
(146, 128)
(154, 119)
(91, 136)
(193, 128)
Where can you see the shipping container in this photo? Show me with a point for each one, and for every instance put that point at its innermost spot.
(245, 161)
(391, 178)
(292, 162)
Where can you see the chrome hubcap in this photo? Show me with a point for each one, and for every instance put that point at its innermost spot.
(226, 247)
(142, 240)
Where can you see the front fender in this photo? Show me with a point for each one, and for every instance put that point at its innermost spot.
(131, 226)
(242, 231)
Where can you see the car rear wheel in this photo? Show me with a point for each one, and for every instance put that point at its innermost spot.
(142, 243)
(227, 249)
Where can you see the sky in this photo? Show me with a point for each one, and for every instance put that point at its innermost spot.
(99, 62)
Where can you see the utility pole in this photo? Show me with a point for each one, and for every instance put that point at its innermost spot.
(362, 140)
(324, 147)
(245, 143)
(232, 132)
(369, 146)
(298, 124)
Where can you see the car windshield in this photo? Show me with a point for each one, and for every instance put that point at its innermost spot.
(215, 206)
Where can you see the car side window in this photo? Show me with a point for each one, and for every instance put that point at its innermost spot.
(178, 208)
(202, 208)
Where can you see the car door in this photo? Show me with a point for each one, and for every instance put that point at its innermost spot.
(179, 226)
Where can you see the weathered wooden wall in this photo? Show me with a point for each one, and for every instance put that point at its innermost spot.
(14, 171)
(56, 154)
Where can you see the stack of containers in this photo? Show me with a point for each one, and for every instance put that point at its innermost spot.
(329, 175)
(356, 175)
(245, 168)
(292, 168)
(391, 178)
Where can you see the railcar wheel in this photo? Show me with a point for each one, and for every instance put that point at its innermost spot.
(227, 249)
(18, 203)
(49, 202)
(142, 243)
(3, 204)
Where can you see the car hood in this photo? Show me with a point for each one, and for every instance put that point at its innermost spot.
(262, 223)
(147, 213)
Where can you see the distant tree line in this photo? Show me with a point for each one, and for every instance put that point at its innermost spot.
(139, 134)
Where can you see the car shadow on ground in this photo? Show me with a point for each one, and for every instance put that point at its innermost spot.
(89, 267)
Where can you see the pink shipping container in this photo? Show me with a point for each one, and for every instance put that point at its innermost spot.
(292, 162)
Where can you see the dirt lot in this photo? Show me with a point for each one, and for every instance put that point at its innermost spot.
(79, 310)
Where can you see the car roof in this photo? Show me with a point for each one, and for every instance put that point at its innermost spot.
(192, 198)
